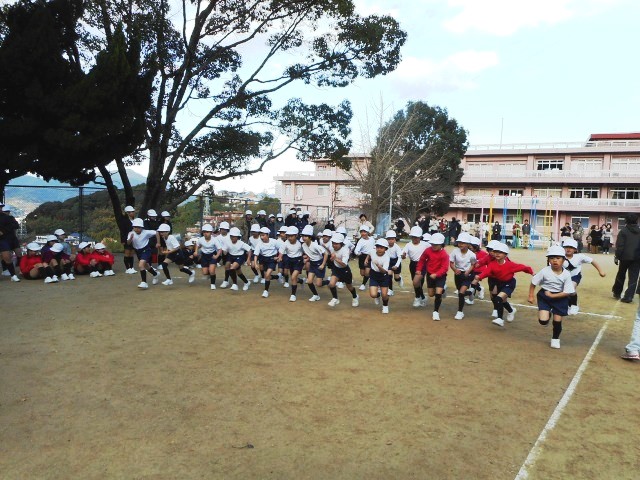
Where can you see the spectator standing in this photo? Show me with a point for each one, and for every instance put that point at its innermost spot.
(526, 234)
(565, 231)
(607, 238)
(496, 231)
(596, 239)
(628, 259)
(578, 233)
(364, 222)
(516, 232)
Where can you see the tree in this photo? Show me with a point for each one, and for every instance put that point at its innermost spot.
(420, 148)
(62, 116)
(220, 59)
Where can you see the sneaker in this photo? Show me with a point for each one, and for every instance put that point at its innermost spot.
(455, 292)
(630, 356)
(574, 310)
(480, 294)
(498, 321)
(155, 280)
(385, 309)
(265, 294)
(315, 298)
(435, 316)
(459, 315)
(6, 273)
(494, 314)
(64, 277)
(401, 282)
(511, 315)
(292, 298)
(280, 280)
(262, 281)
(417, 302)
(355, 301)
(109, 273)
(93, 274)
(362, 287)
(224, 284)
(233, 287)
(71, 277)
(285, 284)
(98, 274)
(424, 301)
(192, 277)
(333, 302)
(376, 300)
(245, 287)
(48, 280)
(143, 285)
(391, 293)
(468, 300)
(131, 271)
(54, 279)
(340, 285)
(213, 286)
(167, 282)
(15, 278)
(256, 279)
(555, 343)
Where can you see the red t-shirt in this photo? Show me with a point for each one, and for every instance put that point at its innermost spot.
(437, 263)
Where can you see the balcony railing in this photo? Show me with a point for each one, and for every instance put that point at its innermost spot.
(311, 175)
(541, 203)
(554, 145)
(489, 173)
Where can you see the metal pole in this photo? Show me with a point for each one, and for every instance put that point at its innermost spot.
(391, 203)
(81, 206)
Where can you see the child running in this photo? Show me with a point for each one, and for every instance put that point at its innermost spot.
(364, 248)
(208, 252)
(139, 239)
(395, 261)
(434, 262)
(223, 245)
(380, 274)
(414, 251)
(254, 239)
(556, 287)
(169, 248)
(341, 272)
(317, 257)
(290, 254)
(238, 253)
(573, 262)
(462, 262)
(265, 255)
(503, 273)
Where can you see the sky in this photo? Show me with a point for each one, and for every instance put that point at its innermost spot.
(506, 70)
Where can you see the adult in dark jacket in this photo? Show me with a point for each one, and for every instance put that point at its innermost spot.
(292, 218)
(9, 241)
(496, 231)
(453, 230)
(627, 257)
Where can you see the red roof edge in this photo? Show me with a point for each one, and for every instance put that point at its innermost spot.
(614, 136)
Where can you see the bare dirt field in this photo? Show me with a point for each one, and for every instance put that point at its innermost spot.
(100, 380)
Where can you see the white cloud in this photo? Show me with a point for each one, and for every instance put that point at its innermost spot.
(505, 17)
(456, 72)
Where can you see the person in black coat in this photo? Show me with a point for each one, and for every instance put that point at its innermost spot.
(496, 231)
(627, 257)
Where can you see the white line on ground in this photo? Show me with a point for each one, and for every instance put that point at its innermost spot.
(601, 315)
(555, 416)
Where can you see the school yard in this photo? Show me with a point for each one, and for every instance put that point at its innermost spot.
(100, 380)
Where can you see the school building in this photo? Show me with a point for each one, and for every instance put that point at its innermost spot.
(593, 182)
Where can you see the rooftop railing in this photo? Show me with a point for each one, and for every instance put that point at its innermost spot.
(493, 173)
(541, 203)
(554, 145)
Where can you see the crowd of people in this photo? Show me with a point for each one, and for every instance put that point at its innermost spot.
(296, 256)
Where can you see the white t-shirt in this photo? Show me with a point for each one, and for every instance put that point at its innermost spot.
(576, 261)
(267, 249)
(461, 260)
(291, 250)
(414, 252)
(207, 246)
(384, 260)
(365, 247)
(238, 248)
(172, 243)
(395, 254)
(222, 242)
(141, 240)
(314, 251)
(254, 241)
(342, 255)
(554, 283)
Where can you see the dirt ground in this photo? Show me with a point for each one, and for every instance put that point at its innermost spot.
(100, 380)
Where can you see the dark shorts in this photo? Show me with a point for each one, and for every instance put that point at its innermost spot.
(463, 280)
(491, 283)
(377, 279)
(507, 287)
(144, 254)
(314, 267)
(343, 275)
(438, 282)
(295, 263)
(239, 259)
(267, 262)
(361, 258)
(206, 259)
(577, 278)
(397, 270)
(5, 245)
(555, 306)
(176, 257)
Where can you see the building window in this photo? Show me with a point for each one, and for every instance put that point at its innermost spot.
(584, 221)
(474, 167)
(510, 192)
(323, 190)
(477, 192)
(586, 164)
(321, 167)
(348, 191)
(545, 192)
(287, 190)
(551, 164)
(586, 192)
(625, 193)
(512, 167)
(625, 164)
(299, 192)
(322, 213)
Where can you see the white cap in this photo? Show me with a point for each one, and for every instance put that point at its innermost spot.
(327, 233)
(129, 208)
(474, 240)
(255, 228)
(34, 247)
(342, 230)
(307, 230)
(248, 212)
(306, 212)
(188, 243)
(390, 234)
(265, 230)
(57, 248)
(52, 238)
(224, 225)
(492, 244)
(463, 238)
(279, 215)
(570, 242)
(283, 229)
(300, 215)
(382, 242)
(165, 214)
(261, 212)
(207, 227)
(337, 238)
(151, 213)
(292, 231)
(163, 227)
(319, 234)
(415, 232)
(501, 247)
(83, 245)
(555, 251)
(59, 231)
(100, 246)
(364, 228)
(293, 210)
(331, 219)
(137, 222)
(235, 232)
(426, 237)
(437, 239)
(271, 215)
